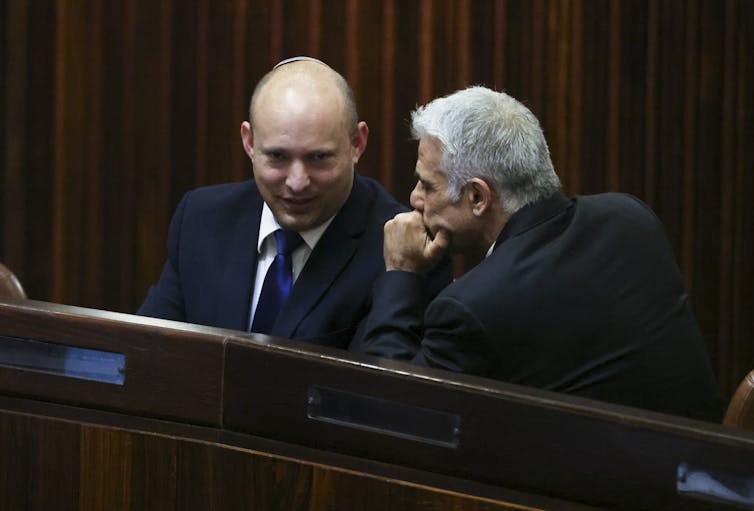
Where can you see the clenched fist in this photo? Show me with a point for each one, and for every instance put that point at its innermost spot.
(408, 246)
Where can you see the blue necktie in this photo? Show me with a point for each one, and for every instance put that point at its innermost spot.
(277, 283)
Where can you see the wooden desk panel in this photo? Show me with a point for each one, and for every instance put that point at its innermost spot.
(173, 371)
(530, 440)
(51, 463)
(209, 417)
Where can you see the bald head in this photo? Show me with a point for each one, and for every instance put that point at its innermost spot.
(303, 140)
(306, 78)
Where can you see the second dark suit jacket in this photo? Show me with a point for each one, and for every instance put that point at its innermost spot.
(580, 296)
(212, 260)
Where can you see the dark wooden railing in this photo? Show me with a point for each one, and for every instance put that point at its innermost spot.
(110, 111)
(111, 411)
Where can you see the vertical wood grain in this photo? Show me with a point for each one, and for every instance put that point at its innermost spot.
(153, 473)
(575, 101)
(651, 104)
(105, 469)
(51, 463)
(425, 50)
(557, 80)
(387, 69)
(691, 85)
(201, 78)
(59, 206)
(14, 124)
(38, 454)
(498, 42)
(239, 89)
(463, 48)
(728, 181)
(352, 46)
(742, 313)
(110, 112)
(612, 155)
(92, 159)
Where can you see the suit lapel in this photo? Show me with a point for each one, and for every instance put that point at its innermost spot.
(234, 300)
(328, 260)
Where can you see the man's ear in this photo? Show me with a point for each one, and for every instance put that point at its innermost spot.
(480, 196)
(247, 139)
(359, 141)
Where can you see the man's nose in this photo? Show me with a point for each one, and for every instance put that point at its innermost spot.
(416, 199)
(298, 177)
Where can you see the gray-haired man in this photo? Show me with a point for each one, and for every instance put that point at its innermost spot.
(581, 295)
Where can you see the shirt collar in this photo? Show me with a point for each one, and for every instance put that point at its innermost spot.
(268, 225)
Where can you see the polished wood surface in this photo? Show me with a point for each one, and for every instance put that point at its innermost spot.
(740, 412)
(110, 111)
(50, 463)
(505, 445)
(576, 449)
(10, 287)
(164, 378)
(152, 444)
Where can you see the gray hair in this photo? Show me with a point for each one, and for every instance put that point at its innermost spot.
(489, 135)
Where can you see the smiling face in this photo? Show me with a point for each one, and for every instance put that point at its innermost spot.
(302, 150)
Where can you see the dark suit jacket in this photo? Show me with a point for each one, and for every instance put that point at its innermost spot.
(581, 296)
(212, 259)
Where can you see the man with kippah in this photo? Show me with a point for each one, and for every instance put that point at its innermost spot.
(294, 252)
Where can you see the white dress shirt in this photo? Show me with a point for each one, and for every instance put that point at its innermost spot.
(267, 249)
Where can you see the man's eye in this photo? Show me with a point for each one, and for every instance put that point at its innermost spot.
(320, 156)
(276, 155)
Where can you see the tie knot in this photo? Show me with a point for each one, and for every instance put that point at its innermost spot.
(288, 241)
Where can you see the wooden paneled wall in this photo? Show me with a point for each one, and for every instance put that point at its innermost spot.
(110, 111)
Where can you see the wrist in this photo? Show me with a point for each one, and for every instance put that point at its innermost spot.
(390, 266)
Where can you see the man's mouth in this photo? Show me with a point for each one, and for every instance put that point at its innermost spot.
(296, 203)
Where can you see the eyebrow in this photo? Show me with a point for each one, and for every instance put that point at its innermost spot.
(420, 178)
(308, 153)
(272, 149)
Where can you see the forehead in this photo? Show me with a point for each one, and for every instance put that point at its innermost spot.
(429, 157)
(299, 114)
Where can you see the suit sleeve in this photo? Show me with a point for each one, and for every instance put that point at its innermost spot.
(444, 335)
(394, 325)
(165, 299)
(454, 339)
